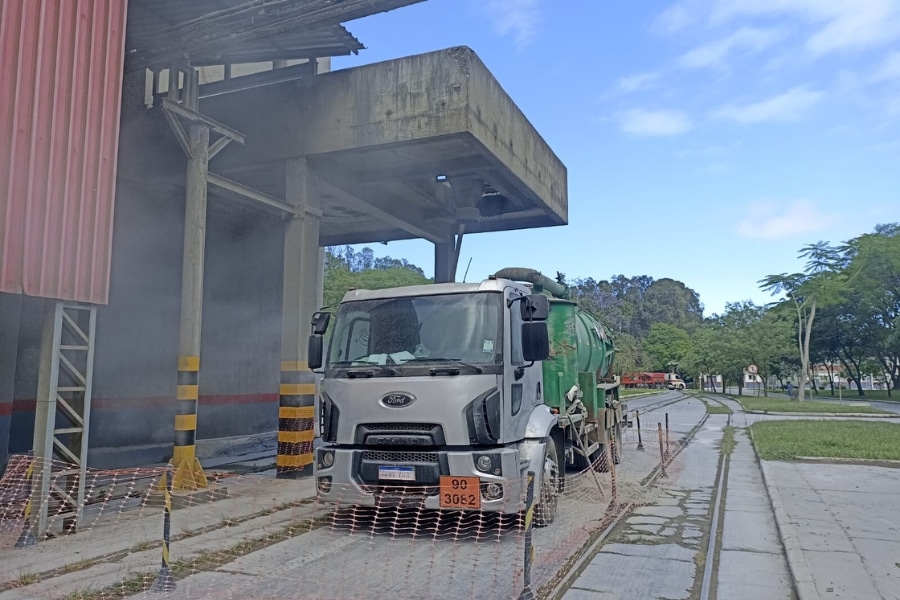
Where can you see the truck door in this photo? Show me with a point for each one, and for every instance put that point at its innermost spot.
(521, 384)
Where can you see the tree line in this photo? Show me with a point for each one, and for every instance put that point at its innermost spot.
(842, 309)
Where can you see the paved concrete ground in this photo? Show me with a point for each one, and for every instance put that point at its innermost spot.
(131, 541)
(752, 563)
(656, 553)
(838, 523)
(841, 526)
(661, 550)
(359, 556)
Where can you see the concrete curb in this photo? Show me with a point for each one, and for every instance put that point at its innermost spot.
(812, 414)
(834, 460)
(801, 575)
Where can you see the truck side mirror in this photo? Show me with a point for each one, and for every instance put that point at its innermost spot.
(535, 307)
(320, 321)
(535, 341)
(316, 343)
(314, 349)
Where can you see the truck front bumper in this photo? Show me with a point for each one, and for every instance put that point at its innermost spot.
(352, 479)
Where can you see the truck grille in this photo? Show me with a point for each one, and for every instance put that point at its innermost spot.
(402, 457)
(410, 427)
(383, 435)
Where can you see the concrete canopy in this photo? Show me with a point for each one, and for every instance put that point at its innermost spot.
(407, 148)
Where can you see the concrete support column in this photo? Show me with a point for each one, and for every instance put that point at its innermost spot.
(301, 298)
(188, 472)
(446, 257)
(10, 315)
(443, 260)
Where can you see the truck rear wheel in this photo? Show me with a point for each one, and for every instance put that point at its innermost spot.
(548, 496)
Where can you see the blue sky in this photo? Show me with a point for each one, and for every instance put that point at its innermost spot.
(705, 140)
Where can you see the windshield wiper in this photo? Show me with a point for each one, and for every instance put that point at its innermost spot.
(363, 371)
(455, 361)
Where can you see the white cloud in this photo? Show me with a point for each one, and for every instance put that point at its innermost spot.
(750, 39)
(888, 70)
(838, 24)
(771, 221)
(677, 17)
(518, 17)
(654, 122)
(640, 81)
(784, 107)
(842, 24)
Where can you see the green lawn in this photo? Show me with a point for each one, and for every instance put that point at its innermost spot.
(637, 391)
(784, 405)
(877, 395)
(787, 440)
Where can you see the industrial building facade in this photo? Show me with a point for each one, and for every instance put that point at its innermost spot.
(162, 161)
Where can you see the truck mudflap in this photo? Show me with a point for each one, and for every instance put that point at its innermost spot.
(430, 480)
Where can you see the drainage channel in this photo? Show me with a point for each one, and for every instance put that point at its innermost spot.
(714, 545)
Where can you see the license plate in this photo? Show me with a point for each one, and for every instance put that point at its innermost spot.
(397, 473)
(460, 492)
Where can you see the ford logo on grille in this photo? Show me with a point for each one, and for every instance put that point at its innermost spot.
(397, 399)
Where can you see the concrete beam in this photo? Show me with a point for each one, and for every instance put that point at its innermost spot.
(244, 193)
(419, 229)
(366, 237)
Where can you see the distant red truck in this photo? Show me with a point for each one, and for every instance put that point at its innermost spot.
(653, 380)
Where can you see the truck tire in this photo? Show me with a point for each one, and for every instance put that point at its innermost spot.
(547, 497)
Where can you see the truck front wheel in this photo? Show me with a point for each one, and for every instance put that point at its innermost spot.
(548, 498)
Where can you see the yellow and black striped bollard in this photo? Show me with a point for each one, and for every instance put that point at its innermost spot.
(188, 472)
(527, 592)
(26, 538)
(296, 419)
(164, 581)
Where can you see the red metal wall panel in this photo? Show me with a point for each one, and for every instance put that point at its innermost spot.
(61, 68)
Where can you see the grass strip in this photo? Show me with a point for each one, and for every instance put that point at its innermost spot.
(811, 406)
(788, 440)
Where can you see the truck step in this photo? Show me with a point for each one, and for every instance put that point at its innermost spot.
(591, 449)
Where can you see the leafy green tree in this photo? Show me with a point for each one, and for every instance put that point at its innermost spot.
(630, 354)
(673, 303)
(667, 345)
(704, 356)
(345, 269)
(874, 262)
(818, 284)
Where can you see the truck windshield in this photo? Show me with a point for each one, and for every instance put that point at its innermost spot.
(394, 331)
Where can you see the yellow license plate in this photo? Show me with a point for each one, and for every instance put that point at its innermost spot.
(460, 492)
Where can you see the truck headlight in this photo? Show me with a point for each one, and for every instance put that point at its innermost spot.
(484, 463)
(493, 491)
(324, 484)
(327, 459)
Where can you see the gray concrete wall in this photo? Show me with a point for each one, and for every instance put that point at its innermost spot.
(137, 333)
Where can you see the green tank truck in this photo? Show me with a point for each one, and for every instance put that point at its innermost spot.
(445, 396)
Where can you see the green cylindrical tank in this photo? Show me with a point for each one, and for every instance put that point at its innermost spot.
(579, 343)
